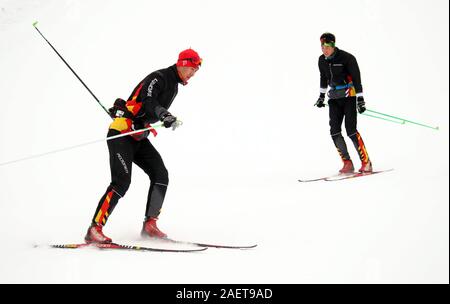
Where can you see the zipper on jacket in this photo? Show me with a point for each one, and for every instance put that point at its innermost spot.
(331, 73)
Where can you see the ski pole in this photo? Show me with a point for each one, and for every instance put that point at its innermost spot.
(87, 88)
(405, 120)
(390, 120)
(397, 120)
(402, 122)
(79, 145)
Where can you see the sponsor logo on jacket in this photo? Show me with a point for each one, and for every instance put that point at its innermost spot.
(150, 87)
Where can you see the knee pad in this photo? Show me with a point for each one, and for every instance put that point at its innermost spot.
(160, 176)
(120, 188)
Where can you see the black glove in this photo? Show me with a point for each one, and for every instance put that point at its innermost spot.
(320, 103)
(360, 104)
(168, 120)
(118, 109)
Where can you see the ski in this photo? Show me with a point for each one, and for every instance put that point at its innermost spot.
(312, 180)
(115, 246)
(205, 245)
(355, 175)
(324, 177)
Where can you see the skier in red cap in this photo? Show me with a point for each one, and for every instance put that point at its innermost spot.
(148, 103)
(188, 64)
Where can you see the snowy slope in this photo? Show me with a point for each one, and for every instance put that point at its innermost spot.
(250, 131)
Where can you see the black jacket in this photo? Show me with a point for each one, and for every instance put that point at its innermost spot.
(338, 70)
(158, 90)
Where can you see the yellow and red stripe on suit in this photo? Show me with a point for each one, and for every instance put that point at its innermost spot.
(124, 125)
(103, 214)
(363, 155)
(350, 92)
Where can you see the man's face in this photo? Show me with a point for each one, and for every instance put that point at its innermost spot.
(327, 50)
(187, 72)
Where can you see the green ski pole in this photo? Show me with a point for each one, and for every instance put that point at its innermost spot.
(76, 75)
(405, 120)
(402, 122)
(394, 119)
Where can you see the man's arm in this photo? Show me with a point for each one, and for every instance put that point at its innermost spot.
(323, 78)
(320, 103)
(151, 91)
(353, 69)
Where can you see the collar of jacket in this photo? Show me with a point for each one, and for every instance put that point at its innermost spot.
(174, 70)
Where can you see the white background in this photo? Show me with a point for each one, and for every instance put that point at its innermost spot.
(250, 131)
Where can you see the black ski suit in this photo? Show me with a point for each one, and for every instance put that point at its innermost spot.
(148, 103)
(341, 73)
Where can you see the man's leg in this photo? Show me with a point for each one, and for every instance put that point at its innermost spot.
(336, 112)
(121, 152)
(149, 160)
(352, 132)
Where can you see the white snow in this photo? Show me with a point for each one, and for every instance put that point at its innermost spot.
(250, 131)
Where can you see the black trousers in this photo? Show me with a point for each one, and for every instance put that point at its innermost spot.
(123, 152)
(340, 109)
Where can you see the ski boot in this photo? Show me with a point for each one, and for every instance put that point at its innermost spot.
(150, 229)
(95, 235)
(366, 167)
(348, 167)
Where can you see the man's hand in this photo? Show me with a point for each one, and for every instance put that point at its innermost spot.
(360, 104)
(320, 103)
(169, 120)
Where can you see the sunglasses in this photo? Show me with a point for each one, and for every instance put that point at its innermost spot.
(327, 42)
(196, 61)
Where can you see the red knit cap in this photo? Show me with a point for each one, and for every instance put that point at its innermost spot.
(189, 58)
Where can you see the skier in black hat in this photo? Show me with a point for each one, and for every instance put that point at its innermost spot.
(339, 70)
